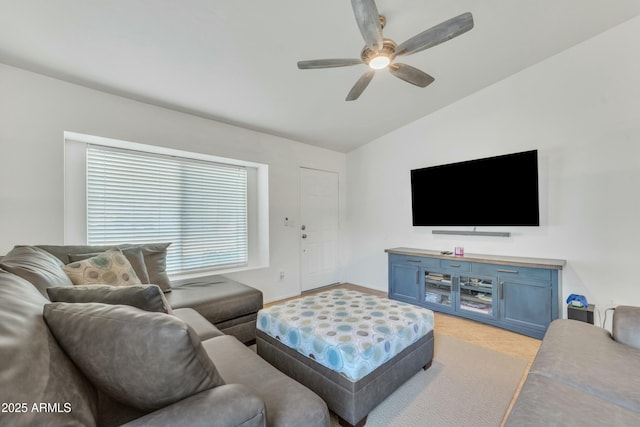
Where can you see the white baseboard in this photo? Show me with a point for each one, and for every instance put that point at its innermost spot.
(282, 297)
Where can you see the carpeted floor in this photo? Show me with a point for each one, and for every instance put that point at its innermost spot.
(467, 385)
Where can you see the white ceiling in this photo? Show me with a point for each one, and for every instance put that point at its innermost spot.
(235, 61)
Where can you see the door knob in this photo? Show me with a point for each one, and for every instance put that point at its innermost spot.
(304, 235)
(304, 227)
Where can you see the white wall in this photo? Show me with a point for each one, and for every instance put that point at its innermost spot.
(581, 110)
(36, 110)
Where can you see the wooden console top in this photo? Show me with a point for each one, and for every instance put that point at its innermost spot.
(555, 264)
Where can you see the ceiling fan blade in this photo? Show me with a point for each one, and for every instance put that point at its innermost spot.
(360, 85)
(327, 63)
(436, 35)
(368, 21)
(411, 74)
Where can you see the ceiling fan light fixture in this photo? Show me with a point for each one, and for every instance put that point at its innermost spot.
(379, 62)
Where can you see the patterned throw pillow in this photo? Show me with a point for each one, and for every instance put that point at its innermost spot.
(133, 255)
(109, 268)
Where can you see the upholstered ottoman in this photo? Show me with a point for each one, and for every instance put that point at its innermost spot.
(352, 349)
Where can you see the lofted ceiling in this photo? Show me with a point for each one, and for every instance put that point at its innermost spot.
(235, 61)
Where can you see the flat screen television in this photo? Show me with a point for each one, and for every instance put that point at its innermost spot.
(493, 191)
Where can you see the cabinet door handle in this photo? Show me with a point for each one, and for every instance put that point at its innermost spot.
(454, 265)
(418, 277)
(508, 271)
(501, 290)
(413, 260)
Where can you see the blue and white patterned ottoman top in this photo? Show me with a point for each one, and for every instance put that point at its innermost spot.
(347, 331)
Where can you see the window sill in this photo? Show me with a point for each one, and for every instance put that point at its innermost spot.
(213, 272)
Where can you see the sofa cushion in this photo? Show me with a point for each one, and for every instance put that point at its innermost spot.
(62, 252)
(218, 299)
(110, 267)
(144, 297)
(626, 325)
(546, 402)
(34, 369)
(201, 326)
(227, 405)
(582, 356)
(36, 266)
(288, 402)
(133, 255)
(142, 359)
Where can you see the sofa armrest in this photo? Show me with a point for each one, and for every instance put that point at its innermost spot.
(626, 325)
(202, 327)
(229, 405)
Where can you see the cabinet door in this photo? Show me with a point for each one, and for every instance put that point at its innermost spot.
(405, 282)
(438, 290)
(477, 295)
(526, 305)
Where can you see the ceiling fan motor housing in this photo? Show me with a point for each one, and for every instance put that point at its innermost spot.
(388, 50)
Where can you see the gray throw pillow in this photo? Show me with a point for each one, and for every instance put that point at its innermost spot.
(144, 297)
(155, 259)
(37, 266)
(142, 359)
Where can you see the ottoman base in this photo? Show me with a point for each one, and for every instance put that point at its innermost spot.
(351, 401)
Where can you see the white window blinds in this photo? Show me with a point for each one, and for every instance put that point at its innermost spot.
(198, 206)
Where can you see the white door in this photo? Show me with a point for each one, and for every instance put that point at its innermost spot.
(319, 228)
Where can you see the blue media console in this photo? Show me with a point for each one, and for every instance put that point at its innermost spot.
(515, 293)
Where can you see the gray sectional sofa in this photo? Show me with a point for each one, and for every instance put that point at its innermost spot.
(584, 376)
(231, 306)
(78, 363)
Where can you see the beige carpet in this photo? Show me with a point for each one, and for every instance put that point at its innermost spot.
(467, 385)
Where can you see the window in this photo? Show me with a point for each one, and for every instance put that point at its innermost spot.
(212, 210)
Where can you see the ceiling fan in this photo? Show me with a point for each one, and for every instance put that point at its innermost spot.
(379, 52)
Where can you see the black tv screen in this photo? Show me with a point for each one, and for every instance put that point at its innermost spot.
(494, 191)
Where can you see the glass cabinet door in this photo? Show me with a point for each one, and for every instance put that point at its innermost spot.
(477, 295)
(438, 288)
